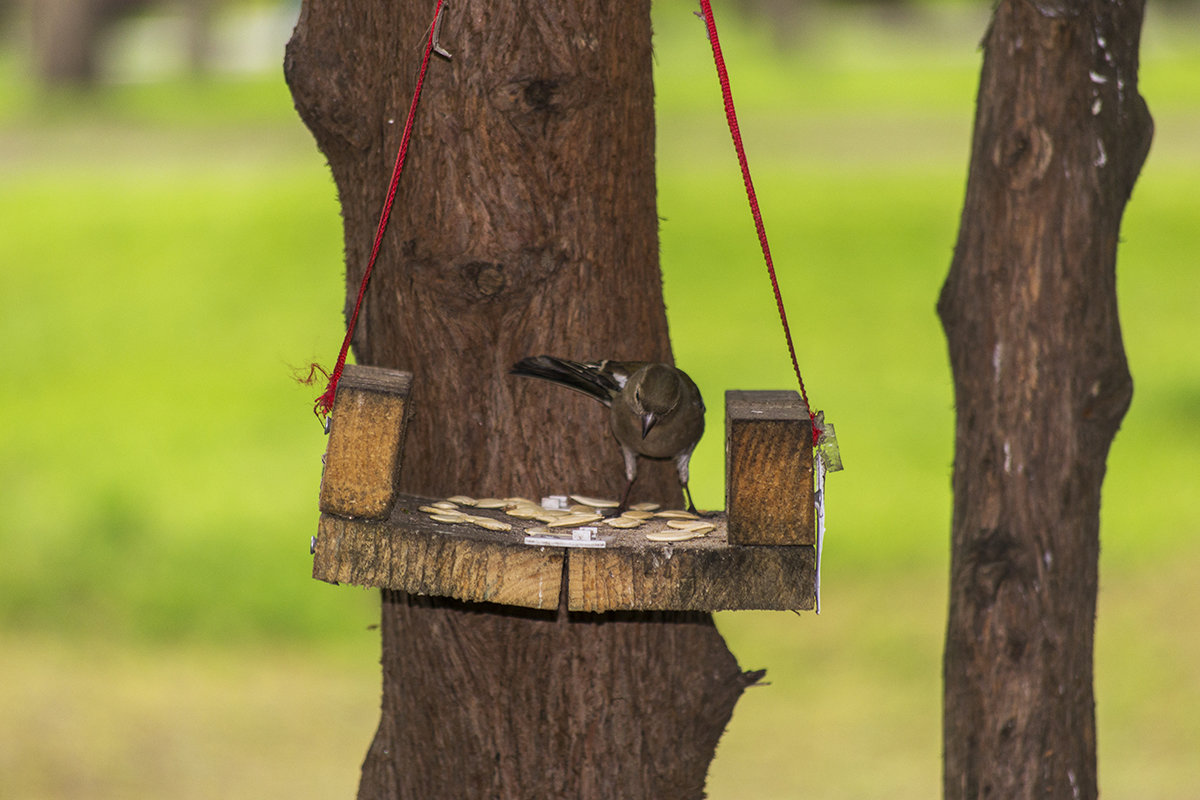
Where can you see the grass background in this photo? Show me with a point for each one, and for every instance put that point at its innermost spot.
(170, 249)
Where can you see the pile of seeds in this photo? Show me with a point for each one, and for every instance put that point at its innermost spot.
(449, 512)
(680, 530)
(681, 525)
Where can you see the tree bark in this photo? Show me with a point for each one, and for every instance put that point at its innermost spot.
(1041, 385)
(526, 223)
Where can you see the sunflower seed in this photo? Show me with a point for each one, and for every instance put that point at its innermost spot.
(632, 514)
(672, 536)
(622, 522)
(594, 502)
(675, 514)
(490, 524)
(523, 512)
(462, 500)
(445, 505)
(573, 519)
(490, 502)
(449, 512)
(691, 525)
(645, 507)
(452, 518)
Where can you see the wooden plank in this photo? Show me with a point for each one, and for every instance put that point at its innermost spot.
(411, 552)
(366, 442)
(699, 575)
(768, 468)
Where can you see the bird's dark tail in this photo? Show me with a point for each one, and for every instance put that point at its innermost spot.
(590, 379)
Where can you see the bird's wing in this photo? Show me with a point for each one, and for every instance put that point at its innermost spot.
(594, 380)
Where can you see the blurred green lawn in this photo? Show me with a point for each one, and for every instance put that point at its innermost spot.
(171, 251)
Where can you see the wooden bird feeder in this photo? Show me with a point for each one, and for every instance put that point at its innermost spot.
(760, 556)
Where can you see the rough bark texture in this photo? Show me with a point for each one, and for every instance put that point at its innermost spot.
(516, 703)
(526, 223)
(1041, 384)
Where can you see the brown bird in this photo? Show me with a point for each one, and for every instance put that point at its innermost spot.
(655, 409)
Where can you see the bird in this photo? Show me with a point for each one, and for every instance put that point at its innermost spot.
(655, 409)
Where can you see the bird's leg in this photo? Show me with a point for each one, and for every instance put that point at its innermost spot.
(624, 506)
(687, 493)
(682, 462)
(631, 458)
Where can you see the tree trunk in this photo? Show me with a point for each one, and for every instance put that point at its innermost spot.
(66, 40)
(525, 223)
(1041, 385)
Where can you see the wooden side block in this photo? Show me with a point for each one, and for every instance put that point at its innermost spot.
(768, 468)
(366, 441)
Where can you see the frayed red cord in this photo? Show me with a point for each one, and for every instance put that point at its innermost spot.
(736, 133)
(324, 404)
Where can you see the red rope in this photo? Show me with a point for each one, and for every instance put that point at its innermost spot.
(324, 403)
(736, 133)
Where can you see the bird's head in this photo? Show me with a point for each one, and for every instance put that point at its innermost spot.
(655, 395)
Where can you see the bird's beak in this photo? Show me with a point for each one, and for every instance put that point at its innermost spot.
(648, 422)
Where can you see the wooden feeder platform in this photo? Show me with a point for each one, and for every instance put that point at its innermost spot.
(761, 554)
